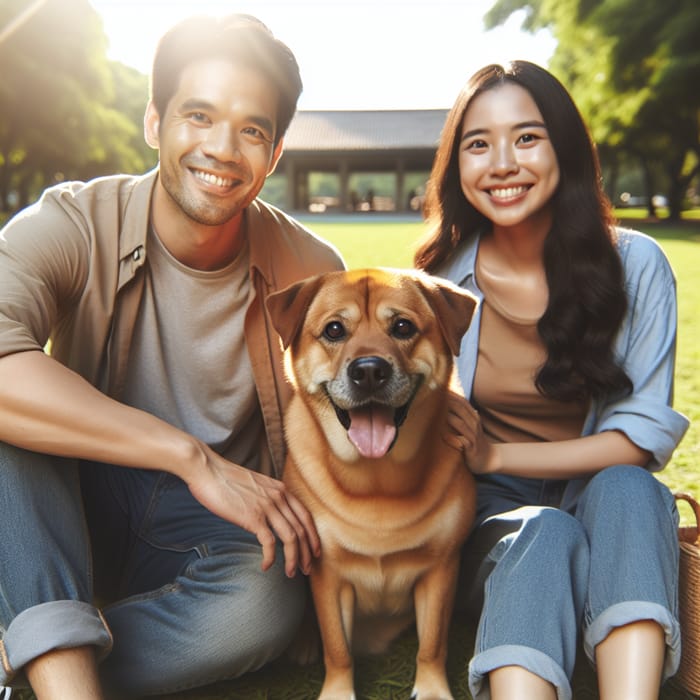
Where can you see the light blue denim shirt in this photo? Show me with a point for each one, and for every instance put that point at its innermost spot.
(645, 345)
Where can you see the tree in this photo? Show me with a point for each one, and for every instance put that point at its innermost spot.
(61, 114)
(633, 67)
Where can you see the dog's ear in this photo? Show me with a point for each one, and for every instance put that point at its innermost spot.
(453, 307)
(287, 307)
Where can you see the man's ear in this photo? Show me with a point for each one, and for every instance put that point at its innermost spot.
(151, 125)
(276, 155)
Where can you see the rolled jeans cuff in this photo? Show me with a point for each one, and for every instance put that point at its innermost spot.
(626, 613)
(528, 658)
(62, 624)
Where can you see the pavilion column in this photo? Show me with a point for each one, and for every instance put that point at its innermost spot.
(301, 191)
(290, 185)
(400, 197)
(344, 176)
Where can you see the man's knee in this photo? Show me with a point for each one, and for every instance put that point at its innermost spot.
(44, 547)
(221, 618)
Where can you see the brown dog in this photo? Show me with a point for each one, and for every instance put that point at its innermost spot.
(370, 355)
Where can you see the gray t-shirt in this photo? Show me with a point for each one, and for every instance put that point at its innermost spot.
(188, 363)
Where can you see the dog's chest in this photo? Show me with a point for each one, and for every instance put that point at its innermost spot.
(383, 585)
(382, 560)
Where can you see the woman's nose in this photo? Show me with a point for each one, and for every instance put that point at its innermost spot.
(503, 159)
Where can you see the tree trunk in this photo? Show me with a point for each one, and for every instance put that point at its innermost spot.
(649, 187)
(678, 187)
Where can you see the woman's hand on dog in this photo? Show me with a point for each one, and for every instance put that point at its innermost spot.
(465, 434)
(261, 505)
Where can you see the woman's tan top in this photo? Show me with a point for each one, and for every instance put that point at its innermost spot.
(510, 354)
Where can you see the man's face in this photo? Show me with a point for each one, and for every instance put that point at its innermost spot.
(216, 139)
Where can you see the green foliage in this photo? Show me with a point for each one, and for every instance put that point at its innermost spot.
(67, 112)
(633, 67)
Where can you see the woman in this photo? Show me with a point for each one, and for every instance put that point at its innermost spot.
(569, 368)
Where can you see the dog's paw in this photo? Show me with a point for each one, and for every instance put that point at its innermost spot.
(337, 693)
(431, 685)
(428, 695)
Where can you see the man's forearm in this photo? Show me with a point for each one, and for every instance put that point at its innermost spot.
(48, 408)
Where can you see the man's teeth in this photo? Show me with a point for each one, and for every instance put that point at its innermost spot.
(213, 179)
(507, 192)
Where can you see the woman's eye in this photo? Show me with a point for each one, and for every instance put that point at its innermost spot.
(403, 329)
(476, 145)
(334, 331)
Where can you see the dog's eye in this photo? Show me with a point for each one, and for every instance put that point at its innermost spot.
(335, 330)
(403, 328)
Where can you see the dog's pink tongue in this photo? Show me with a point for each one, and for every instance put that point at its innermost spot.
(372, 430)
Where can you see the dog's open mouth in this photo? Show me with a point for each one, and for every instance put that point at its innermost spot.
(373, 427)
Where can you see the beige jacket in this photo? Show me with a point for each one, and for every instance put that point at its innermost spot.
(71, 271)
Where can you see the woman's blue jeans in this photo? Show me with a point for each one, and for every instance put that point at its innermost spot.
(188, 601)
(545, 567)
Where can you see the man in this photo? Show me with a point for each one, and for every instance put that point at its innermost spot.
(152, 432)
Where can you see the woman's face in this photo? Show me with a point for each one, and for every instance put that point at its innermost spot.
(507, 164)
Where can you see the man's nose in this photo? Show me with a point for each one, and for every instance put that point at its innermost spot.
(222, 143)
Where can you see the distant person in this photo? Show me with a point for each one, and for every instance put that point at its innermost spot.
(152, 431)
(411, 200)
(568, 366)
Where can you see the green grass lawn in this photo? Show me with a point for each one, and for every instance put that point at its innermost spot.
(682, 245)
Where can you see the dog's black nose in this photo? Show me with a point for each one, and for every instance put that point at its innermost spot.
(369, 373)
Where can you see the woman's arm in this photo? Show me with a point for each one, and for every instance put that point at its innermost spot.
(566, 459)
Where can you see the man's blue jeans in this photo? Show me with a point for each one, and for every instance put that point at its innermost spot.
(188, 603)
(540, 576)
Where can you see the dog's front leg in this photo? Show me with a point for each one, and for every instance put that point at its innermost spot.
(434, 600)
(335, 607)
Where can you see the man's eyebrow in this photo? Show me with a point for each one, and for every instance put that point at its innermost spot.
(264, 123)
(196, 104)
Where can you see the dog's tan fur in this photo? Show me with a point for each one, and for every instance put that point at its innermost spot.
(391, 522)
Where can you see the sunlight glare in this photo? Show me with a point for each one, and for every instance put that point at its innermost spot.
(356, 54)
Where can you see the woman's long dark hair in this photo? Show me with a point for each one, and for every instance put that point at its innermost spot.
(587, 300)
